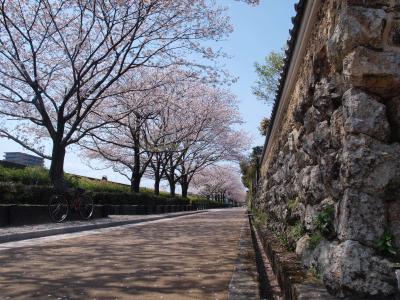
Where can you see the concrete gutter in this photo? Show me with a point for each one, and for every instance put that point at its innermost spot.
(244, 283)
(295, 282)
(16, 236)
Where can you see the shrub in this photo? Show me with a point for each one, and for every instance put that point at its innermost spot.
(35, 194)
(324, 227)
(18, 193)
(28, 175)
(324, 221)
(32, 185)
(314, 240)
(24, 194)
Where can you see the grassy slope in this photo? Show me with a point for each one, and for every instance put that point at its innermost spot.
(40, 177)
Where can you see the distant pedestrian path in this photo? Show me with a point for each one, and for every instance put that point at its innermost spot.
(191, 257)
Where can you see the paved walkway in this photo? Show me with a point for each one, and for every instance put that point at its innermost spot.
(190, 257)
(16, 233)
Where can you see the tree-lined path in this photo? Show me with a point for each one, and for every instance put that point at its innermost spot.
(190, 257)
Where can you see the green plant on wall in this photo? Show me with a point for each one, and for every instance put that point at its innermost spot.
(297, 231)
(283, 238)
(315, 273)
(293, 203)
(324, 221)
(323, 227)
(386, 245)
(314, 240)
(260, 217)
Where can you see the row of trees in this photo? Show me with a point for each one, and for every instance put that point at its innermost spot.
(172, 129)
(130, 81)
(220, 183)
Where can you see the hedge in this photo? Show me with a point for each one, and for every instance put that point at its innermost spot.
(18, 193)
(29, 175)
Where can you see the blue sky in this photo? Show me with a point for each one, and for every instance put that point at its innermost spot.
(258, 31)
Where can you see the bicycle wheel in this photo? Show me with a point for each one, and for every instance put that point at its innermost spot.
(58, 208)
(86, 207)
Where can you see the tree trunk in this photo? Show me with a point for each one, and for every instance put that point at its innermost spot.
(57, 167)
(135, 184)
(156, 184)
(135, 180)
(171, 187)
(184, 186)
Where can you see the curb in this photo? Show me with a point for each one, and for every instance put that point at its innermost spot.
(49, 232)
(295, 282)
(244, 283)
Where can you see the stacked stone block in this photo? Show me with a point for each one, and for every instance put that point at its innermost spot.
(339, 148)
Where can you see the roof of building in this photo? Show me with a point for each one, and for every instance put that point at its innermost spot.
(291, 43)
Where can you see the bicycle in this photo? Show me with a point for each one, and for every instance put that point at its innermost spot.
(60, 205)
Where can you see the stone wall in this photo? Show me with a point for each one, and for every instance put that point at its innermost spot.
(330, 183)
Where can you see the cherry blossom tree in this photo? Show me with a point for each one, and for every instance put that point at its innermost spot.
(61, 60)
(125, 144)
(211, 115)
(220, 182)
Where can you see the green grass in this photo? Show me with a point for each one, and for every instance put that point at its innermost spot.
(297, 231)
(284, 240)
(260, 217)
(40, 176)
(294, 203)
(94, 185)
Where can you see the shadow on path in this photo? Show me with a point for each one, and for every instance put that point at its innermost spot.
(186, 258)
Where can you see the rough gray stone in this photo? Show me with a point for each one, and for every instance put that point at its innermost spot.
(322, 137)
(374, 3)
(393, 113)
(368, 164)
(311, 119)
(309, 217)
(337, 129)
(373, 71)
(355, 213)
(303, 159)
(311, 188)
(326, 97)
(311, 211)
(363, 114)
(339, 144)
(302, 248)
(394, 220)
(356, 26)
(320, 256)
(351, 266)
(293, 139)
(308, 145)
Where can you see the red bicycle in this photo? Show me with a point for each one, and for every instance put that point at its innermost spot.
(61, 204)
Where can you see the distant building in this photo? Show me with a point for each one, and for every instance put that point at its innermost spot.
(23, 159)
